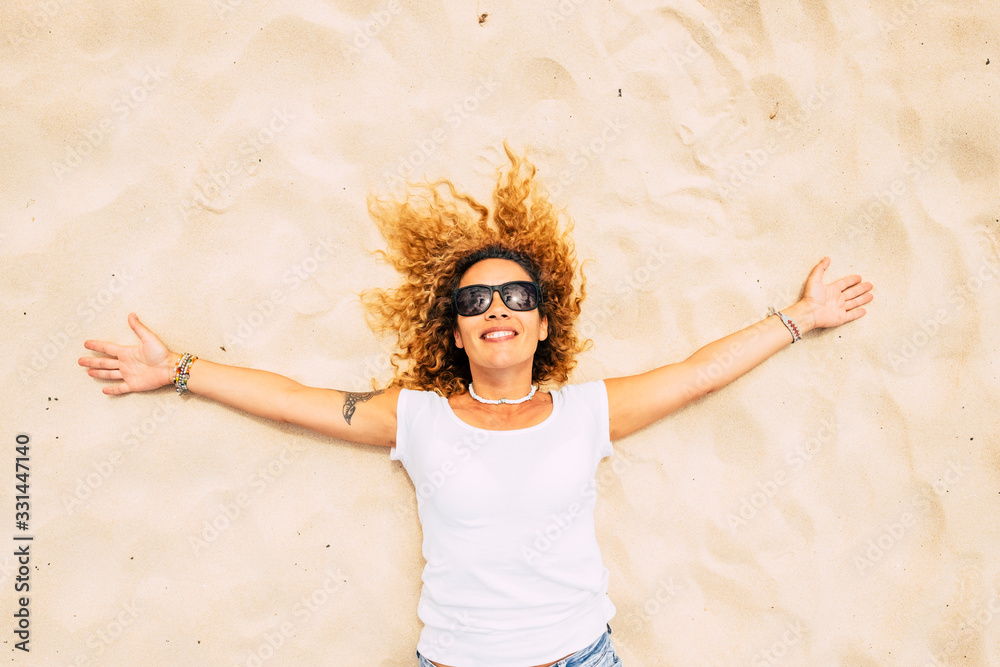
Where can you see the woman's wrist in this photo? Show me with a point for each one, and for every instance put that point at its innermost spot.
(168, 367)
(801, 313)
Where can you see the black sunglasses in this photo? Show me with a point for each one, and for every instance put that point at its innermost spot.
(518, 295)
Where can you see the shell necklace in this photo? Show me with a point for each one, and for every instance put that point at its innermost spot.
(498, 401)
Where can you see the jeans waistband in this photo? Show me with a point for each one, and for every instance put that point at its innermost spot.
(579, 654)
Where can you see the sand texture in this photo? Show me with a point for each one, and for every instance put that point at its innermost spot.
(206, 165)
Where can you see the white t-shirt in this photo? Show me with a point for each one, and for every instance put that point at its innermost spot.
(514, 576)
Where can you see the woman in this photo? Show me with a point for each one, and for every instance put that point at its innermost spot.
(504, 473)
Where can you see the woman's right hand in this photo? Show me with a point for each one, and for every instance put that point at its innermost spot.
(148, 365)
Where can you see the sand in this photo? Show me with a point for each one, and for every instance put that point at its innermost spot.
(205, 164)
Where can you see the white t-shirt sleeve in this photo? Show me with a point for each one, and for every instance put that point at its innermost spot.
(602, 417)
(401, 451)
(590, 402)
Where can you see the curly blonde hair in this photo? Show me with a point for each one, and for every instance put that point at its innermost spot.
(434, 235)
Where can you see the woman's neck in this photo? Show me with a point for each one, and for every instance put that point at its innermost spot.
(493, 386)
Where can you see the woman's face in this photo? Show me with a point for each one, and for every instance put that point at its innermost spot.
(513, 335)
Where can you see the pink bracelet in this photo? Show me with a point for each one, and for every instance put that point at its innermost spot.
(787, 321)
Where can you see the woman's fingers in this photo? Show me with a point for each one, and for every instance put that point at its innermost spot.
(817, 272)
(102, 346)
(105, 374)
(116, 389)
(852, 292)
(854, 314)
(138, 327)
(857, 295)
(860, 300)
(144, 334)
(113, 350)
(845, 283)
(99, 362)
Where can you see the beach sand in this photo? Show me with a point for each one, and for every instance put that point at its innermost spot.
(206, 165)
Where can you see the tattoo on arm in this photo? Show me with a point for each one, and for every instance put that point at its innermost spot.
(351, 399)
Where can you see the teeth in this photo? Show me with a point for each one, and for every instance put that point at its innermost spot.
(499, 334)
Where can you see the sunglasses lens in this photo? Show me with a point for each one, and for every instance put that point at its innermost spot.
(520, 296)
(473, 300)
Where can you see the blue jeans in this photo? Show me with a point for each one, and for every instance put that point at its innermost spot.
(599, 654)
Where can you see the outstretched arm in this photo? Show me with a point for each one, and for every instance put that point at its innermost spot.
(368, 418)
(639, 400)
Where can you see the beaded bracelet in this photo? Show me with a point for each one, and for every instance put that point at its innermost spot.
(787, 321)
(183, 371)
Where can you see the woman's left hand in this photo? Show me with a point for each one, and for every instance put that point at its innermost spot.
(837, 303)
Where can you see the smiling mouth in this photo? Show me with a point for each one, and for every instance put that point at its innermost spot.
(499, 335)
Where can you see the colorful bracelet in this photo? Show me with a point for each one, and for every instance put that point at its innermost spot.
(787, 321)
(183, 371)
